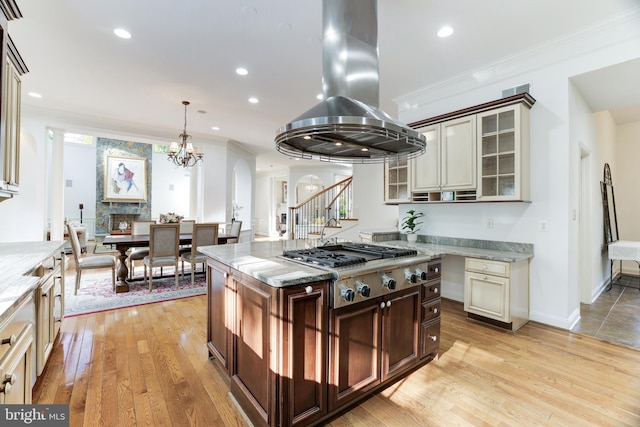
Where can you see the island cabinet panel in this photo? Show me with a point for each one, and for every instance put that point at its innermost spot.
(400, 332)
(220, 312)
(303, 379)
(254, 348)
(354, 361)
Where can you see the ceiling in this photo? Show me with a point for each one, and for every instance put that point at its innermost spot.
(189, 50)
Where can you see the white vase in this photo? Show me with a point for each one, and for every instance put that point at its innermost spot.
(412, 238)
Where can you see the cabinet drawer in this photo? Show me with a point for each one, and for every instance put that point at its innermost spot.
(431, 310)
(431, 290)
(430, 338)
(15, 325)
(434, 270)
(495, 268)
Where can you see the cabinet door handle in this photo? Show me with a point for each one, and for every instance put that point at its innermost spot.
(7, 382)
(388, 303)
(435, 310)
(433, 338)
(435, 290)
(382, 304)
(308, 289)
(11, 340)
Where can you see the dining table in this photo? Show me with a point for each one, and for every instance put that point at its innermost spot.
(124, 242)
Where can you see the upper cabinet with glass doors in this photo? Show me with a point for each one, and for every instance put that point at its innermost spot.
(503, 154)
(477, 154)
(396, 181)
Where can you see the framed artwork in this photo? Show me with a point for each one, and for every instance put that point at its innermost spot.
(125, 179)
(284, 192)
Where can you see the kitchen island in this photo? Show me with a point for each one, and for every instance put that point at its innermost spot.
(296, 350)
(31, 311)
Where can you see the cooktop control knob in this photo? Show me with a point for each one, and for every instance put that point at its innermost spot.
(363, 289)
(410, 276)
(347, 293)
(388, 282)
(421, 273)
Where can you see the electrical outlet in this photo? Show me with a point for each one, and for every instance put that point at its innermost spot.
(543, 226)
(490, 223)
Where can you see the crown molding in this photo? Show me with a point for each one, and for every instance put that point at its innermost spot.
(615, 30)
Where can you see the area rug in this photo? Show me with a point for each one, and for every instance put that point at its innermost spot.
(96, 292)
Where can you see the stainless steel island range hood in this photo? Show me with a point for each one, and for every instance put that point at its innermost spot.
(347, 126)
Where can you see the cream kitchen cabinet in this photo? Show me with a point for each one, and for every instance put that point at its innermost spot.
(503, 160)
(449, 164)
(16, 359)
(397, 185)
(11, 102)
(49, 307)
(497, 292)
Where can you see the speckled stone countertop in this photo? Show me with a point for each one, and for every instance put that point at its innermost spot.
(262, 260)
(17, 263)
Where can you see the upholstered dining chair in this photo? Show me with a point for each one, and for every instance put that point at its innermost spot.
(138, 254)
(186, 227)
(236, 226)
(203, 235)
(89, 262)
(164, 242)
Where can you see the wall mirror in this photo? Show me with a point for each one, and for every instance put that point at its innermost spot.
(609, 207)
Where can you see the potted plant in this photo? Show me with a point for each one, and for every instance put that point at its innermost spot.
(410, 224)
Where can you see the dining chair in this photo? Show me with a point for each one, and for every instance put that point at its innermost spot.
(203, 235)
(164, 242)
(89, 262)
(138, 254)
(236, 226)
(186, 227)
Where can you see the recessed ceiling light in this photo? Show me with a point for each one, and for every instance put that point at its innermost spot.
(35, 95)
(253, 100)
(241, 71)
(364, 149)
(306, 137)
(215, 128)
(338, 143)
(445, 31)
(122, 33)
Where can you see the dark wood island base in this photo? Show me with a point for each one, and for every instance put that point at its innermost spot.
(292, 360)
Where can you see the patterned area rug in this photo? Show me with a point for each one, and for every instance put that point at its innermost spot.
(96, 291)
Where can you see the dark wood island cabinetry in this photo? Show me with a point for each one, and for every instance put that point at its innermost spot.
(293, 360)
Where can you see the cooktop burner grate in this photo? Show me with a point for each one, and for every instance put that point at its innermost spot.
(324, 257)
(346, 254)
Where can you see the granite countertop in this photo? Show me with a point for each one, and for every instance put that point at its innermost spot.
(17, 264)
(262, 260)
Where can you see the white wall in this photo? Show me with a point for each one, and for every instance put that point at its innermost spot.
(555, 161)
(626, 177)
(171, 188)
(22, 218)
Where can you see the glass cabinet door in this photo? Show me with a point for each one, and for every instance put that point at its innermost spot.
(397, 180)
(498, 153)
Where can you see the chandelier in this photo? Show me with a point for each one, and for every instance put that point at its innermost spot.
(183, 153)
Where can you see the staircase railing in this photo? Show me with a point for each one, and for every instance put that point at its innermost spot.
(321, 211)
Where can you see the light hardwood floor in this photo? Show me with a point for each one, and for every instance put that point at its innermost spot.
(149, 366)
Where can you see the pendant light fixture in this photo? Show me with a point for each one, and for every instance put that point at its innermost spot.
(183, 153)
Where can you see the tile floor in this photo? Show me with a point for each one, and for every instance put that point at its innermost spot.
(615, 316)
